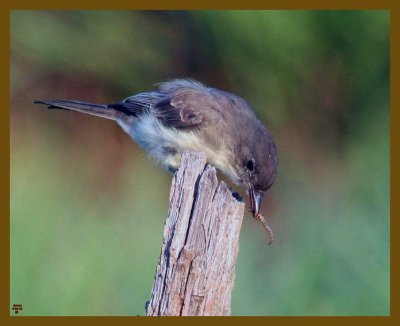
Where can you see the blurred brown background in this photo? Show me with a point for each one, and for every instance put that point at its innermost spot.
(88, 206)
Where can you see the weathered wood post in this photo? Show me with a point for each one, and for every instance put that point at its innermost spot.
(196, 270)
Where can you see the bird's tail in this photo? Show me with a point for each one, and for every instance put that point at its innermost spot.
(99, 110)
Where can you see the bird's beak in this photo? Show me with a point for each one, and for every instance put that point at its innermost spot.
(255, 201)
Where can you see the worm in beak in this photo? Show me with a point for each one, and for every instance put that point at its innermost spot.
(255, 204)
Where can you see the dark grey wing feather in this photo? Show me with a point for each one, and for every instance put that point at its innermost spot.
(187, 105)
(137, 104)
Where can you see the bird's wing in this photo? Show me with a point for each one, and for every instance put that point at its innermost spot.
(181, 103)
(188, 108)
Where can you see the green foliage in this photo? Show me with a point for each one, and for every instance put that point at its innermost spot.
(87, 207)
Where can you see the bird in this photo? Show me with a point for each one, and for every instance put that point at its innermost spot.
(185, 114)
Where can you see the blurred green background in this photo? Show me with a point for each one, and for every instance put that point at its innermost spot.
(88, 207)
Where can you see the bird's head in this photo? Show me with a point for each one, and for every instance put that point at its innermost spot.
(258, 168)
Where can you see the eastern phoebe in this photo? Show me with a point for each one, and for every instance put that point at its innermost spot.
(187, 115)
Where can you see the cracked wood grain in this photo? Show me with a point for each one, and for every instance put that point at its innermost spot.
(196, 270)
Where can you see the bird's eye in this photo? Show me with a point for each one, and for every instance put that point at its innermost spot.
(250, 165)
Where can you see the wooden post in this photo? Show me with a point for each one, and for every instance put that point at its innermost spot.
(196, 270)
